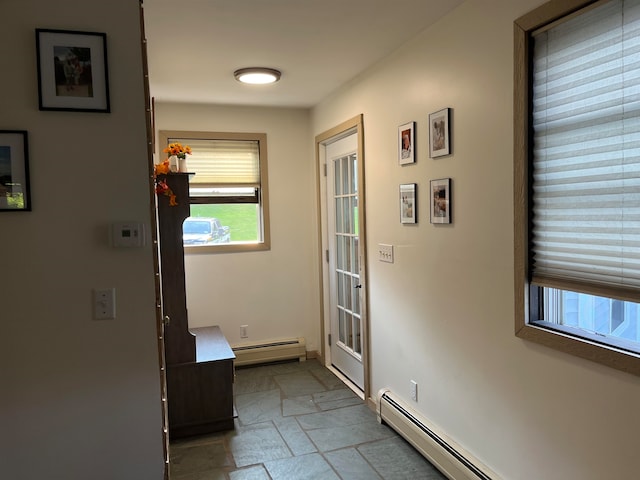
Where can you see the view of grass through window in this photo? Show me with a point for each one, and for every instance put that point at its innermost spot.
(242, 219)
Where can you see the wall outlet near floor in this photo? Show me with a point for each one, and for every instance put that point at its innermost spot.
(413, 390)
(244, 331)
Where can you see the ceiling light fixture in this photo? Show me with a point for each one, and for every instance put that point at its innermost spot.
(257, 75)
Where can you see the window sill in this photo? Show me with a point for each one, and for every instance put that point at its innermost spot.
(581, 347)
(227, 248)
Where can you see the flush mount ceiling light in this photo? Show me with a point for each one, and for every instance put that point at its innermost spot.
(257, 75)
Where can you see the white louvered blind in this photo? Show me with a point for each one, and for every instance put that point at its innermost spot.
(224, 163)
(586, 150)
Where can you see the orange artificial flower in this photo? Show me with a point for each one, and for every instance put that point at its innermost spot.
(162, 168)
(178, 150)
(163, 189)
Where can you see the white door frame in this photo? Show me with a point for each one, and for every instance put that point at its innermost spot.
(350, 126)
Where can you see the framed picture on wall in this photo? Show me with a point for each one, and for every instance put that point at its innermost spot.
(14, 171)
(408, 204)
(440, 200)
(439, 133)
(72, 71)
(406, 143)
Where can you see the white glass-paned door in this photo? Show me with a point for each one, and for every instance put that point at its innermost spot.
(344, 255)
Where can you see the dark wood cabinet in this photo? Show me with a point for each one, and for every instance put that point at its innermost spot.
(199, 394)
(199, 362)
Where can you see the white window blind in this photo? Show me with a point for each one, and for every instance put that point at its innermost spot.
(224, 163)
(586, 150)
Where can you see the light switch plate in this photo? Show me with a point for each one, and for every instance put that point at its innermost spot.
(104, 303)
(385, 253)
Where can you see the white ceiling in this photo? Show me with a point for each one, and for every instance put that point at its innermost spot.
(194, 46)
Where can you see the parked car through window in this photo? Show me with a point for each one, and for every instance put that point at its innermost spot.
(204, 231)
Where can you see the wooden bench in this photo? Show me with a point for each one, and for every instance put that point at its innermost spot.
(200, 393)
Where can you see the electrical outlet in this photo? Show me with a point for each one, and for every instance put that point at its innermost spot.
(244, 331)
(104, 304)
(385, 253)
(413, 390)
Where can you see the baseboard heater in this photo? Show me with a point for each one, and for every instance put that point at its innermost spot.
(268, 352)
(444, 454)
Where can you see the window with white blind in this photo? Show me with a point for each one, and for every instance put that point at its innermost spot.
(577, 179)
(227, 190)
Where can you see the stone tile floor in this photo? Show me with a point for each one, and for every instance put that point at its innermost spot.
(298, 421)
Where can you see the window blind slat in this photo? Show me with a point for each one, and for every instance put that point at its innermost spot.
(586, 149)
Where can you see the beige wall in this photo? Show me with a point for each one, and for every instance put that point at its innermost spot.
(274, 292)
(79, 398)
(442, 314)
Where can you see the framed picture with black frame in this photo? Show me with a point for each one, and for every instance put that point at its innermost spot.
(406, 143)
(439, 133)
(441, 200)
(408, 204)
(72, 71)
(14, 171)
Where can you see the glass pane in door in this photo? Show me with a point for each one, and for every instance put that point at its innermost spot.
(347, 251)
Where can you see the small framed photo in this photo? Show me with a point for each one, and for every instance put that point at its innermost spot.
(406, 143)
(441, 200)
(439, 133)
(72, 71)
(408, 203)
(14, 171)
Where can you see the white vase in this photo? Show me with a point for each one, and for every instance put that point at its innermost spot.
(182, 165)
(173, 163)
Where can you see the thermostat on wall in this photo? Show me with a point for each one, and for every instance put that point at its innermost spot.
(128, 234)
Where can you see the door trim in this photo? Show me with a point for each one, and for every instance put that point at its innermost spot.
(354, 124)
(159, 317)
